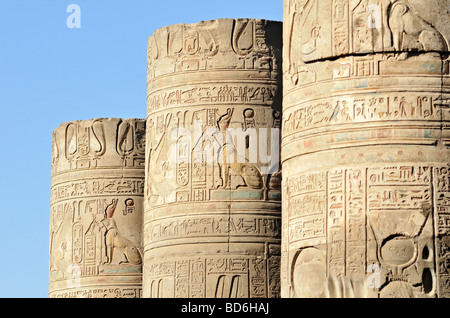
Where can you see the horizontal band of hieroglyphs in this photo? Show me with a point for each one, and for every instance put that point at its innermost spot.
(207, 226)
(359, 109)
(258, 94)
(210, 265)
(96, 187)
(98, 293)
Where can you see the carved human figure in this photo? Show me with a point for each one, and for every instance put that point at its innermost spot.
(114, 240)
(94, 161)
(249, 172)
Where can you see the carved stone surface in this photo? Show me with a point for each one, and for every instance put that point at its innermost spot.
(96, 208)
(212, 198)
(365, 149)
(347, 27)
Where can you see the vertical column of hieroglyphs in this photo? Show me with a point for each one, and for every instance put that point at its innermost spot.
(212, 199)
(97, 199)
(365, 148)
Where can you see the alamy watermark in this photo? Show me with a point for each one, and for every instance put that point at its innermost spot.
(228, 146)
(373, 281)
(374, 21)
(74, 19)
(74, 279)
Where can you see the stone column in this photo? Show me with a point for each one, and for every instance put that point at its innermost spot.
(96, 208)
(212, 198)
(365, 149)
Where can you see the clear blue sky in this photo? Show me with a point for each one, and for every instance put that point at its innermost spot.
(51, 74)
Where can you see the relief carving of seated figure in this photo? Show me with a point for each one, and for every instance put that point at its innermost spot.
(115, 241)
(410, 31)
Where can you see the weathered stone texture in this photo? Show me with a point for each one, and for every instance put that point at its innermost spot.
(212, 224)
(365, 149)
(96, 208)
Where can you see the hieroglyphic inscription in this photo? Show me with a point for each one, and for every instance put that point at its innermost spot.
(213, 226)
(195, 47)
(307, 207)
(336, 222)
(364, 84)
(212, 94)
(95, 187)
(258, 285)
(442, 197)
(367, 26)
(197, 278)
(274, 277)
(206, 95)
(182, 279)
(361, 109)
(92, 244)
(400, 206)
(340, 27)
(356, 222)
(442, 200)
(94, 292)
(404, 187)
(362, 200)
(398, 192)
(213, 277)
(161, 276)
(84, 219)
(229, 277)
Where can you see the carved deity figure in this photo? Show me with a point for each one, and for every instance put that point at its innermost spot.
(114, 240)
(409, 30)
(249, 172)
